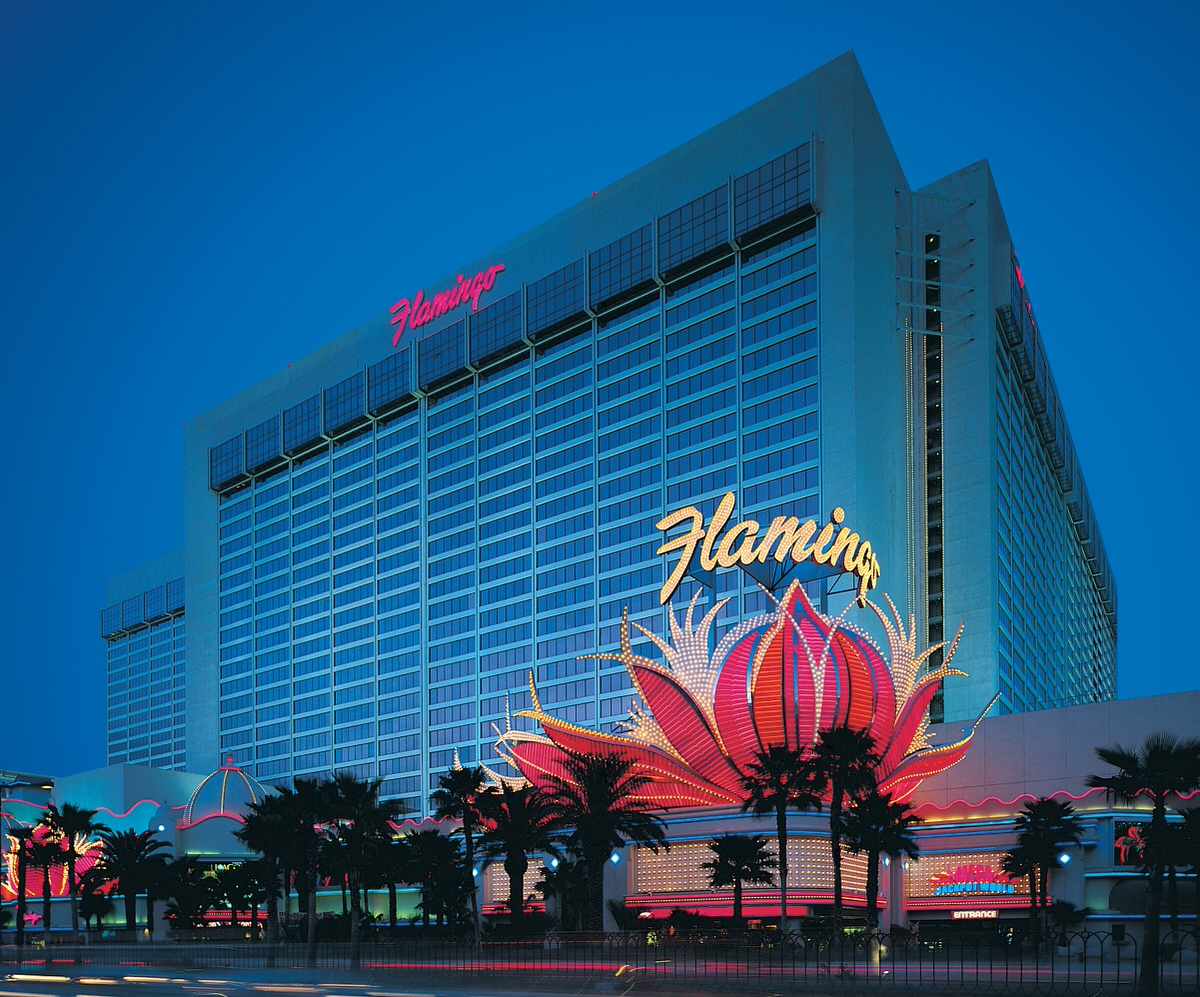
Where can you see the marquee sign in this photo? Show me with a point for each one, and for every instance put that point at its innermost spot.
(971, 879)
(962, 877)
(416, 313)
(786, 538)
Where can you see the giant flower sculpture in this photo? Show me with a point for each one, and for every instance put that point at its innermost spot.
(777, 679)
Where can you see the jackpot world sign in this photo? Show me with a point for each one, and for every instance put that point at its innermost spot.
(787, 546)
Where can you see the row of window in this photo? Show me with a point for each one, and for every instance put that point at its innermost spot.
(769, 196)
(531, 573)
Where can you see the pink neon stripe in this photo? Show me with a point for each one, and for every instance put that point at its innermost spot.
(28, 803)
(1024, 796)
(129, 811)
(184, 827)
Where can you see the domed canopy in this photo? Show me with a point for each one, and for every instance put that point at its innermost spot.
(227, 792)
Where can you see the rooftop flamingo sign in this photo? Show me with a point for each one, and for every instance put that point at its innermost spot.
(417, 312)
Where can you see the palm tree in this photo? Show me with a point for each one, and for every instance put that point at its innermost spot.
(233, 887)
(1191, 840)
(1020, 861)
(93, 901)
(306, 807)
(361, 829)
(877, 826)
(457, 798)
(259, 885)
(595, 796)
(432, 860)
(847, 759)
(738, 859)
(781, 779)
(268, 828)
(156, 884)
(45, 853)
(23, 837)
(1044, 826)
(388, 869)
(126, 857)
(75, 826)
(1175, 853)
(1164, 766)
(517, 822)
(334, 862)
(565, 880)
(191, 889)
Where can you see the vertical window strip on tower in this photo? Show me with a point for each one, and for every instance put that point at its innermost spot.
(933, 465)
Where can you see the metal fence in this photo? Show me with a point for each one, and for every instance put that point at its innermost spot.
(1085, 963)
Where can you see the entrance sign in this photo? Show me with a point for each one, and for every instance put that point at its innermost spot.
(785, 538)
(416, 313)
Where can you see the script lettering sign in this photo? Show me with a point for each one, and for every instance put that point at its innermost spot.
(786, 537)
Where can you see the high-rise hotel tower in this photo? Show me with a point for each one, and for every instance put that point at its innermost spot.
(385, 539)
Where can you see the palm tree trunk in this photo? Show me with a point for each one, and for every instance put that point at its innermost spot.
(1148, 981)
(835, 846)
(311, 954)
(594, 858)
(150, 914)
(516, 864)
(469, 852)
(72, 889)
(22, 885)
(781, 841)
(737, 899)
(1033, 911)
(392, 904)
(46, 911)
(1172, 901)
(1042, 875)
(130, 897)
(873, 907)
(355, 915)
(272, 922)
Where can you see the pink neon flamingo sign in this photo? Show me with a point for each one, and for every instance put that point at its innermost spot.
(420, 310)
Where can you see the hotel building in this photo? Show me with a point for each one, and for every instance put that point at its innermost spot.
(385, 539)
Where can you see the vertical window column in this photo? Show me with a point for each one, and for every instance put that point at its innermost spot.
(933, 464)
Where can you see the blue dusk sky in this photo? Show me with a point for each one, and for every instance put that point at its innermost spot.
(193, 195)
